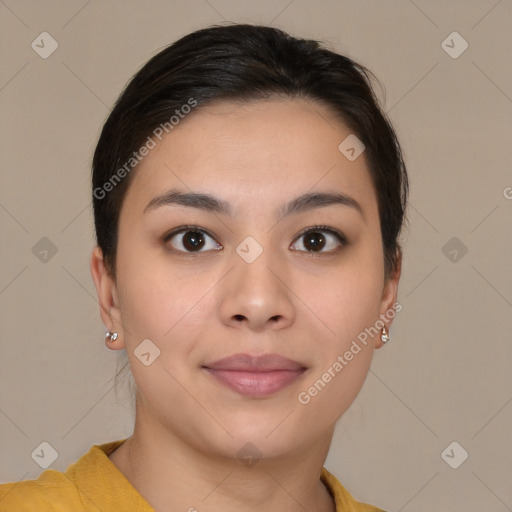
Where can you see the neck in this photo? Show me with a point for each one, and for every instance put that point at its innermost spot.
(173, 475)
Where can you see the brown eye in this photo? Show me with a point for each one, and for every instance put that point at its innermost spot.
(314, 240)
(318, 238)
(190, 240)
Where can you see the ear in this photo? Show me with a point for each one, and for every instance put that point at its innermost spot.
(107, 297)
(389, 298)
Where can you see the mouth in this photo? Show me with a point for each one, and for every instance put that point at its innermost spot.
(255, 377)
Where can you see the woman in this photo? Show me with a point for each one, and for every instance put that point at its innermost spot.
(248, 197)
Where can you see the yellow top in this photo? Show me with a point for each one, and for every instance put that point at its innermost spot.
(94, 483)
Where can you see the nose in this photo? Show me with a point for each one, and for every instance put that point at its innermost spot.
(257, 295)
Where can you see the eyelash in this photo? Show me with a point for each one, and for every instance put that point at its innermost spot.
(313, 229)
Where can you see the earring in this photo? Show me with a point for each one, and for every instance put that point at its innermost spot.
(111, 335)
(385, 335)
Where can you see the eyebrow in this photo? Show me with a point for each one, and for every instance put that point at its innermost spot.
(211, 204)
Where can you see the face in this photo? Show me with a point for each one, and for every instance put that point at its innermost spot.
(254, 276)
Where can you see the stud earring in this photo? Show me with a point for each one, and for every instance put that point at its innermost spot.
(385, 335)
(111, 335)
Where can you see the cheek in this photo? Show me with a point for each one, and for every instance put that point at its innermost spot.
(160, 308)
(352, 306)
(164, 303)
(348, 308)
(151, 294)
(346, 300)
(348, 304)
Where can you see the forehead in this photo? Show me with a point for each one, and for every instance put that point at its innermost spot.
(264, 150)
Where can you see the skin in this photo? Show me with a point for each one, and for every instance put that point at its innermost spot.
(207, 305)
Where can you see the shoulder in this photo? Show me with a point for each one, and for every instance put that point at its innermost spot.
(83, 485)
(342, 498)
(51, 491)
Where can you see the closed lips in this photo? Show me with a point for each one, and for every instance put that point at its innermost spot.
(255, 376)
(248, 363)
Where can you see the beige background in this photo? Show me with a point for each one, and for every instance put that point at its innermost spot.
(446, 374)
